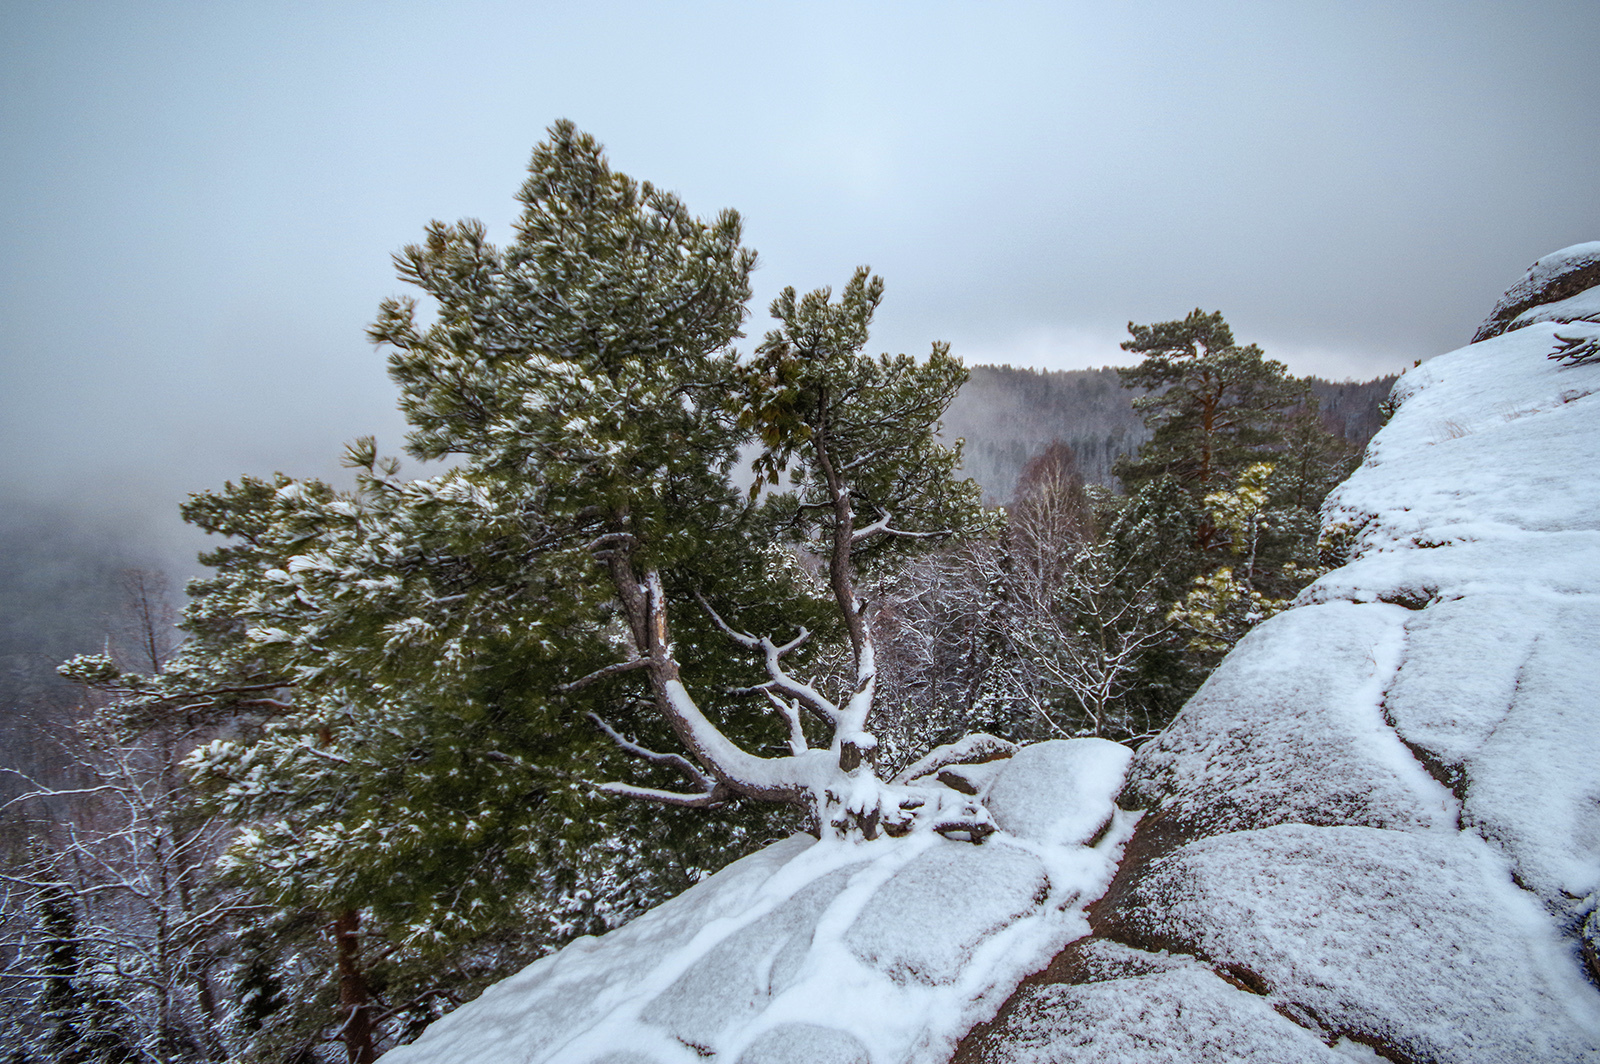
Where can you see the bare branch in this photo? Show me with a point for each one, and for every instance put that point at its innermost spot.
(807, 695)
(790, 712)
(601, 674)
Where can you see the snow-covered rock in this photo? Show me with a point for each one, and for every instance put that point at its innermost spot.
(1290, 729)
(1128, 1005)
(822, 952)
(1061, 792)
(1386, 937)
(1375, 831)
(1554, 279)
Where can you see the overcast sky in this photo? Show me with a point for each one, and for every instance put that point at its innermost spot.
(199, 200)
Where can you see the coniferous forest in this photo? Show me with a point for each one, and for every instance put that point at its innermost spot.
(675, 594)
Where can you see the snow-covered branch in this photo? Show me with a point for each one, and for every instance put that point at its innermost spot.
(790, 712)
(779, 678)
(673, 761)
(881, 527)
(714, 795)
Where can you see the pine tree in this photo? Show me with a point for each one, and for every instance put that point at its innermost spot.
(438, 686)
(1224, 496)
(1213, 408)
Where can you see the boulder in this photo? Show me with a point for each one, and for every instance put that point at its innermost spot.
(804, 1043)
(1419, 944)
(738, 977)
(924, 924)
(1062, 792)
(1556, 277)
(1177, 1012)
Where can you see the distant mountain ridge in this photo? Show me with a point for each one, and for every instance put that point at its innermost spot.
(1007, 414)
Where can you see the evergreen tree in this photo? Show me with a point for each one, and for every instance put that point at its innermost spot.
(435, 686)
(81, 1019)
(1221, 515)
(1213, 407)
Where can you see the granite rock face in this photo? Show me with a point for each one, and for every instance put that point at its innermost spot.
(1375, 831)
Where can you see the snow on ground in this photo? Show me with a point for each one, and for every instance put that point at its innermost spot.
(1152, 1008)
(1384, 936)
(1482, 500)
(1376, 828)
(1290, 728)
(824, 952)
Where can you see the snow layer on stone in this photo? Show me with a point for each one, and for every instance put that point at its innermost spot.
(804, 1043)
(1481, 499)
(1458, 641)
(1494, 693)
(1186, 1015)
(1494, 453)
(819, 951)
(526, 1015)
(1555, 264)
(1289, 729)
(1061, 792)
(1533, 787)
(1418, 943)
(733, 980)
(1585, 306)
(1459, 676)
(913, 928)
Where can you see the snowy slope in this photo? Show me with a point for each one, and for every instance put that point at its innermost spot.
(1375, 831)
(822, 952)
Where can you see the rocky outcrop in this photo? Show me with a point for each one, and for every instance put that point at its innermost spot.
(1562, 286)
(831, 952)
(1375, 831)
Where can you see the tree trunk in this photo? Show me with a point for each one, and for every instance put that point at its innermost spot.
(355, 1001)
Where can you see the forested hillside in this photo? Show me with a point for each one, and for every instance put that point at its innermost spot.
(62, 592)
(1008, 414)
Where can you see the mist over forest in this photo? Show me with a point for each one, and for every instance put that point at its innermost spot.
(62, 563)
